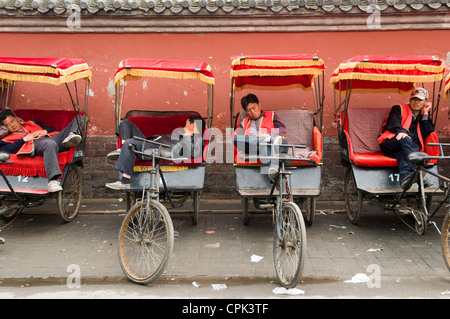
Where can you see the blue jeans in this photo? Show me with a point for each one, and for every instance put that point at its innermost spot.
(400, 149)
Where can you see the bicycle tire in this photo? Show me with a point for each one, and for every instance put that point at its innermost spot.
(353, 197)
(445, 238)
(144, 259)
(289, 248)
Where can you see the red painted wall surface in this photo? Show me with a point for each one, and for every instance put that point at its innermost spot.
(104, 51)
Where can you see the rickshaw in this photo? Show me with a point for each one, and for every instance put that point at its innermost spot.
(24, 180)
(160, 179)
(445, 232)
(369, 174)
(300, 169)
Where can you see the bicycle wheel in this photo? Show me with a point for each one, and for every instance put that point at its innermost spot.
(289, 245)
(145, 242)
(445, 238)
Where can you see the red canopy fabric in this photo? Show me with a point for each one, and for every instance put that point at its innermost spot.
(174, 69)
(387, 73)
(276, 70)
(447, 85)
(44, 70)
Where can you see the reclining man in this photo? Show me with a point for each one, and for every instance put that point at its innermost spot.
(34, 138)
(258, 128)
(404, 131)
(184, 142)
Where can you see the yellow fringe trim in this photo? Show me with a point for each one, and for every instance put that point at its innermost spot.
(447, 86)
(386, 77)
(163, 168)
(125, 73)
(274, 88)
(383, 66)
(277, 63)
(278, 72)
(10, 77)
(43, 69)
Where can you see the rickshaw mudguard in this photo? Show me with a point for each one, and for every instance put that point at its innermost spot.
(190, 178)
(386, 180)
(252, 182)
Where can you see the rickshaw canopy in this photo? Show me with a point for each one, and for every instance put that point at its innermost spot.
(44, 70)
(386, 73)
(157, 68)
(276, 70)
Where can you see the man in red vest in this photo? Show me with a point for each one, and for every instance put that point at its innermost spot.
(258, 128)
(34, 138)
(404, 131)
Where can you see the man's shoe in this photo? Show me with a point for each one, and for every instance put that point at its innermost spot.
(118, 186)
(114, 155)
(54, 186)
(2, 240)
(71, 140)
(427, 183)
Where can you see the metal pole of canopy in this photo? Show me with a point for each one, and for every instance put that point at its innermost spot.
(232, 102)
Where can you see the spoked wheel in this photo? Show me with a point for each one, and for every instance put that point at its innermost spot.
(353, 197)
(145, 242)
(420, 223)
(289, 245)
(69, 199)
(445, 238)
(10, 215)
(245, 202)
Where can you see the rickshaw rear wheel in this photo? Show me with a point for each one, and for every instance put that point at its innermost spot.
(445, 238)
(308, 208)
(196, 206)
(9, 216)
(245, 216)
(69, 199)
(353, 197)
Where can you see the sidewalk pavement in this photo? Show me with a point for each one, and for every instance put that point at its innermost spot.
(39, 245)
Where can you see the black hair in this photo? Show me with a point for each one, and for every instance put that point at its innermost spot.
(249, 98)
(195, 117)
(5, 113)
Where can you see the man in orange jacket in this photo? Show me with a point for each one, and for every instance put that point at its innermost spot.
(404, 131)
(34, 138)
(258, 128)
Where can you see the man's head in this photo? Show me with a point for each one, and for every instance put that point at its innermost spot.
(251, 106)
(418, 99)
(195, 124)
(9, 120)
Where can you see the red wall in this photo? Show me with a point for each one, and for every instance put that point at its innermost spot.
(104, 51)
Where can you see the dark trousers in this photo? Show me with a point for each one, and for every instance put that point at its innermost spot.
(49, 147)
(400, 149)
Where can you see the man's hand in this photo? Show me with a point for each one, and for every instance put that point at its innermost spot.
(427, 108)
(401, 136)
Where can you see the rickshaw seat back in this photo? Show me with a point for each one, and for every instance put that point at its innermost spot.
(300, 130)
(160, 123)
(362, 127)
(34, 166)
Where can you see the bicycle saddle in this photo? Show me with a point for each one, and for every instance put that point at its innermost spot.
(419, 158)
(4, 156)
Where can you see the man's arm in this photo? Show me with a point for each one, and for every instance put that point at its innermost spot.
(394, 121)
(11, 148)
